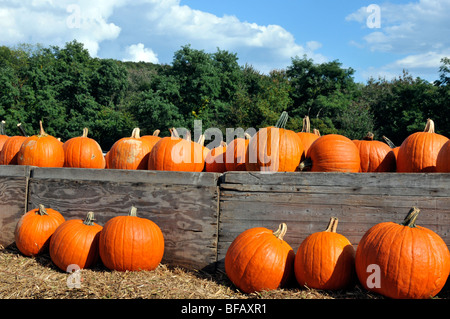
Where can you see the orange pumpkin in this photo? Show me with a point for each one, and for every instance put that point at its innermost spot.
(177, 154)
(215, 159)
(443, 159)
(129, 152)
(236, 152)
(332, 153)
(274, 149)
(35, 228)
(306, 136)
(419, 151)
(402, 261)
(325, 260)
(131, 243)
(259, 259)
(41, 150)
(75, 242)
(375, 156)
(83, 152)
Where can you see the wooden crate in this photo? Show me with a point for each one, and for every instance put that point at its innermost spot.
(305, 202)
(183, 204)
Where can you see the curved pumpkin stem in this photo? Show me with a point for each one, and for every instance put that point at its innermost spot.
(42, 210)
(368, 137)
(41, 129)
(136, 133)
(306, 125)
(22, 131)
(389, 142)
(133, 211)
(174, 132)
(85, 132)
(247, 136)
(156, 132)
(316, 132)
(429, 127)
(89, 220)
(281, 231)
(332, 225)
(282, 120)
(305, 164)
(410, 219)
(2, 128)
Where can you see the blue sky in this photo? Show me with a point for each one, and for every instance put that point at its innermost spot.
(412, 35)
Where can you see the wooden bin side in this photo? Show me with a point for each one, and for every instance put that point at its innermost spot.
(306, 201)
(183, 204)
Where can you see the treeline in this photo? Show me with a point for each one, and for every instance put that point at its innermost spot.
(68, 90)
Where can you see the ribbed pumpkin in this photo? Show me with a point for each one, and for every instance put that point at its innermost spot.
(177, 154)
(129, 152)
(274, 149)
(235, 154)
(75, 242)
(443, 159)
(8, 154)
(259, 259)
(307, 137)
(332, 153)
(402, 261)
(83, 152)
(41, 150)
(215, 159)
(375, 156)
(131, 243)
(35, 228)
(325, 260)
(418, 152)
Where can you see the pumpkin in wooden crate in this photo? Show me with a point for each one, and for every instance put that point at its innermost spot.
(375, 156)
(419, 151)
(11, 147)
(35, 228)
(402, 261)
(83, 152)
(42, 150)
(259, 259)
(215, 159)
(274, 149)
(75, 242)
(129, 152)
(443, 159)
(325, 260)
(332, 153)
(307, 137)
(236, 152)
(130, 242)
(177, 154)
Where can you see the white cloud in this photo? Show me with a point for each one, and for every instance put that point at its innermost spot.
(138, 53)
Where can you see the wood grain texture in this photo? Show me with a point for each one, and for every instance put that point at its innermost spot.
(306, 201)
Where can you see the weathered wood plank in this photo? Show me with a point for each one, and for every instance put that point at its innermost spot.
(186, 213)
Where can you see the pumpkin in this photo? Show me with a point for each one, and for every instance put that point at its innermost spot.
(325, 260)
(215, 159)
(236, 152)
(129, 152)
(35, 228)
(177, 154)
(307, 137)
(75, 242)
(3, 136)
(259, 259)
(443, 159)
(83, 152)
(41, 150)
(375, 156)
(274, 149)
(402, 260)
(332, 153)
(11, 147)
(418, 152)
(131, 243)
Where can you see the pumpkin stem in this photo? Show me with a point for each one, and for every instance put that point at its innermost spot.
(332, 225)
(282, 120)
(174, 132)
(281, 231)
(156, 132)
(316, 132)
(368, 137)
(89, 219)
(305, 164)
(42, 210)
(136, 133)
(22, 131)
(41, 129)
(306, 125)
(410, 219)
(133, 211)
(85, 132)
(201, 140)
(247, 136)
(389, 142)
(2, 128)
(429, 127)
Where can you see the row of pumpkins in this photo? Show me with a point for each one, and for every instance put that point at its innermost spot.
(396, 260)
(272, 148)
